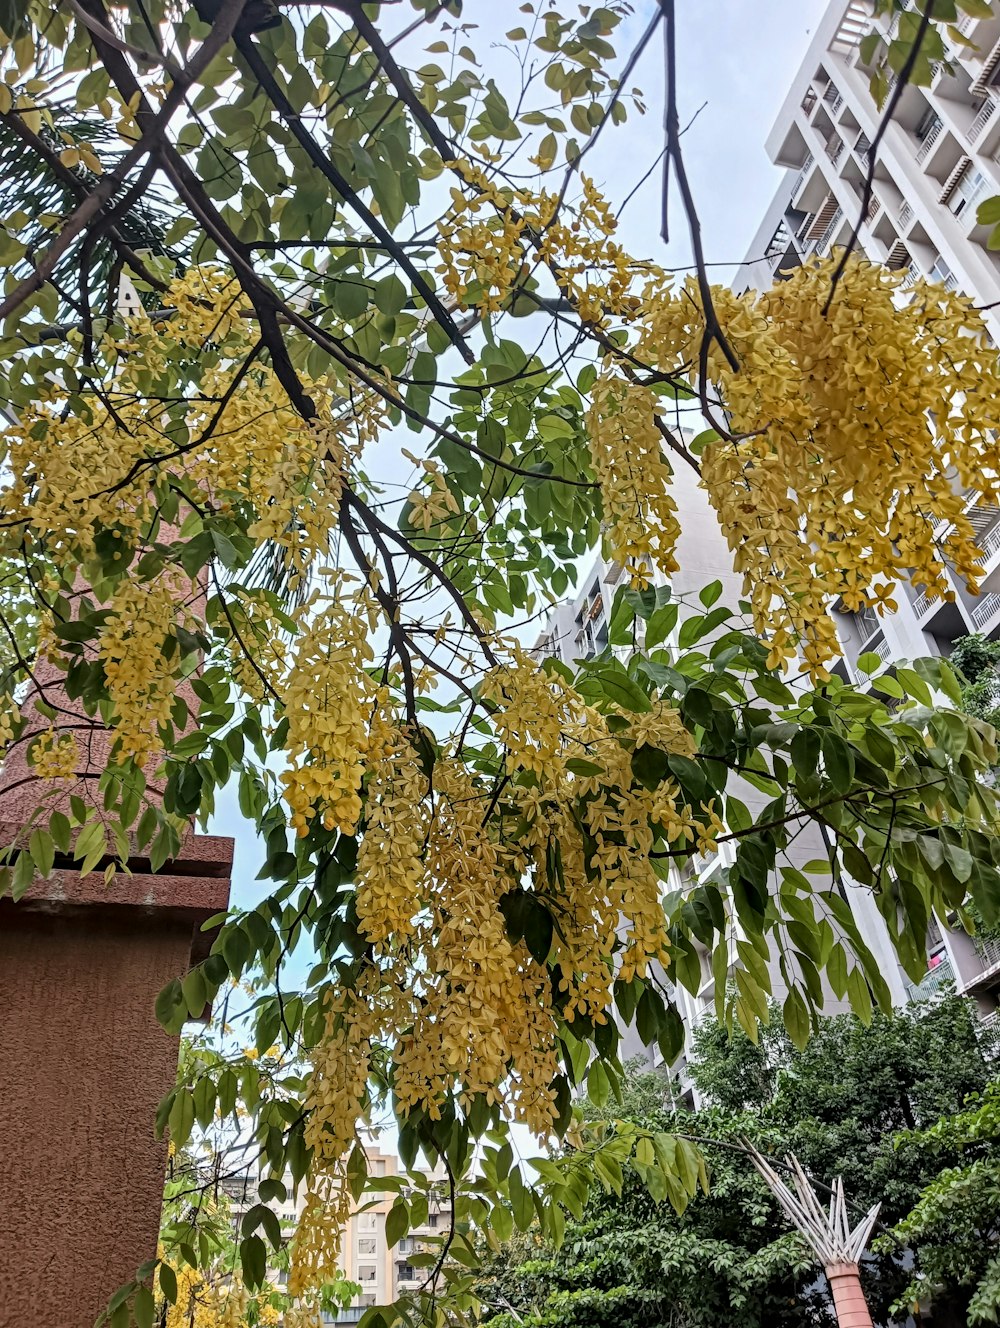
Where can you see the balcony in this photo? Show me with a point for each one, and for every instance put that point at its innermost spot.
(986, 113)
(830, 231)
(801, 178)
(985, 519)
(932, 983)
(834, 99)
(988, 950)
(905, 215)
(853, 27)
(985, 612)
(931, 136)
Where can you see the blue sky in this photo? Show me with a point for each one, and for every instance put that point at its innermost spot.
(736, 60)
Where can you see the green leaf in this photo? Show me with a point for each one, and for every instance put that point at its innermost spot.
(181, 1119)
(143, 1308)
(838, 761)
(397, 1222)
(694, 629)
(520, 1200)
(171, 1007)
(168, 1283)
(598, 1085)
(253, 1258)
(24, 874)
(661, 624)
(710, 593)
(796, 1018)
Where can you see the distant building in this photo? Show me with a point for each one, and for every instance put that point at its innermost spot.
(383, 1273)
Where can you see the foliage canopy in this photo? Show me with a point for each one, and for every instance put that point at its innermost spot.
(330, 242)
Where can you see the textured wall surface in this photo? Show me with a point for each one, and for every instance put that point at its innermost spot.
(84, 1066)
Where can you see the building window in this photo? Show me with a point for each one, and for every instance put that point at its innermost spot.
(379, 1166)
(366, 1244)
(369, 1221)
(432, 1221)
(367, 1272)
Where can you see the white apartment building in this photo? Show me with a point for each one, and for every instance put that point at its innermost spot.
(939, 158)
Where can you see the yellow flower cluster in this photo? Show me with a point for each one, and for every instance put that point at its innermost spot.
(860, 427)
(217, 1300)
(390, 866)
(484, 1014)
(54, 757)
(335, 1102)
(327, 695)
(302, 1316)
(315, 1247)
(76, 472)
(481, 243)
(9, 716)
(256, 634)
(487, 238)
(661, 726)
(854, 427)
(640, 521)
(433, 504)
(139, 676)
(300, 495)
(437, 866)
(533, 713)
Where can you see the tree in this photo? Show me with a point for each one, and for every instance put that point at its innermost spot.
(635, 1262)
(843, 1104)
(953, 1224)
(848, 1105)
(976, 659)
(352, 233)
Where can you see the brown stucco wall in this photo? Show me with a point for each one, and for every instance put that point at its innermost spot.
(84, 1066)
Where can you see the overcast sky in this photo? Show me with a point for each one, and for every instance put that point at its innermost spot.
(736, 61)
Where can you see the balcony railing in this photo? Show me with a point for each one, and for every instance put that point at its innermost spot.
(929, 139)
(835, 150)
(863, 150)
(905, 215)
(984, 116)
(988, 950)
(986, 609)
(880, 647)
(990, 545)
(800, 179)
(932, 982)
(827, 235)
